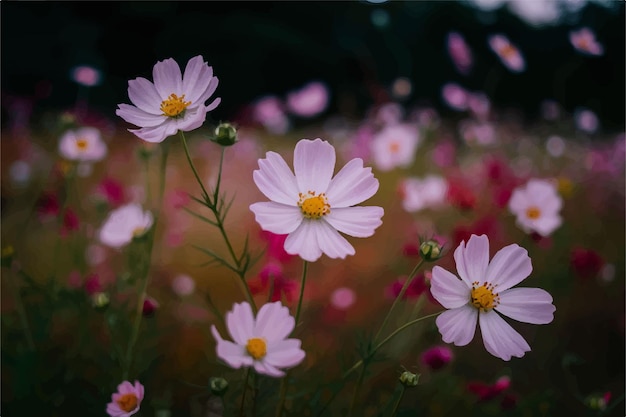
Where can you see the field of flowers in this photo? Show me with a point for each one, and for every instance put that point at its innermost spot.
(157, 261)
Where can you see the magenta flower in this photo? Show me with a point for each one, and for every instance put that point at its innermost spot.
(483, 291)
(584, 41)
(126, 401)
(309, 101)
(260, 342)
(455, 96)
(312, 207)
(437, 357)
(460, 53)
(86, 75)
(508, 53)
(173, 102)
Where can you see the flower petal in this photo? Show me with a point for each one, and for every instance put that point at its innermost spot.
(213, 104)
(314, 164)
(285, 353)
(167, 78)
(303, 242)
(234, 355)
(196, 79)
(267, 369)
(209, 92)
(355, 221)
(545, 225)
(138, 117)
(352, 185)
(277, 218)
(194, 118)
(273, 322)
(509, 266)
(156, 134)
(240, 323)
(449, 290)
(528, 305)
(457, 325)
(472, 260)
(330, 241)
(143, 94)
(275, 180)
(500, 339)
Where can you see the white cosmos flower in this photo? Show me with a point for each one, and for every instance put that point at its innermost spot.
(419, 194)
(394, 146)
(483, 291)
(537, 206)
(125, 223)
(84, 144)
(312, 207)
(260, 342)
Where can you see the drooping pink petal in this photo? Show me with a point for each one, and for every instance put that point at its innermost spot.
(267, 369)
(284, 354)
(458, 325)
(314, 165)
(240, 323)
(274, 322)
(144, 95)
(331, 242)
(156, 134)
(509, 266)
(547, 224)
(528, 305)
(194, 118)
(167, 78)
(125, 388)
(208, 93)
(302, 242)
(196, 79)
(277, 218)
(275, 180)
(500, 339)
(352, 185)
(450, 291)
(356, 221)
(139, 390)
(233, 354)
(138, 117)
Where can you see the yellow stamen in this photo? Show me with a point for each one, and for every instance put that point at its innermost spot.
(533, 212)
(508, 51)
(174, 106)
(256, 348)
(484, 298)
(394, 147)
(82, 144)
(127, 402)
(313, 206)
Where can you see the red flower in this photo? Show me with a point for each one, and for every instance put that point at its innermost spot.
(586, 263)
(93, 284)
(272, 276)
(437, 357)
(459, 195)
(276, 246)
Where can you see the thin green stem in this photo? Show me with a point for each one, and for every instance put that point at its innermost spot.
(243, 396)
(146, 165)
(281, 397)
(19, 305)
(399, 297)
(357, 388)
(193, 167)
(305, 266)
(398, 401)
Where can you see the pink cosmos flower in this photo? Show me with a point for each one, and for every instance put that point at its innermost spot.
(272, 276)
(260, 342)
(173, 102)
(84, 144)
(395, 146)
(418, 194)
(484, 292)
(125, 223)
(126, 401)
(183, 285)
(437, 357)
(460, 53)
(86, 75)
(508, 53)
(309, 101)
(584, 41)
(536, 206)
(343, 298)
(312, 207)
(112, 191)
(269, 112)
(455, 96)
(586, 120)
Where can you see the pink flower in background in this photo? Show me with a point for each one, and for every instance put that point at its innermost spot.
(173, 102)
(312, 207)
(86, 75)
(48, 206)
(418, 194)
(270, 113)
(437, 357)
(389, 114)
(272, 276)
(586, 120)
(394, 146)
(536, 206)
(150, 306)
(550, 110)
(477, 133)
(508, 53)
(260, 342)
(126, 401)
(455, 96)
(586, 263)
(416, 288)
(123, 224)
(113, 191)
(71, 222)
(444, 153)
(93, 284)
(84, 144)
(276, 246)
(479, 105)
(460, 195)
(487, 392)
(183, 285)
(309, 101)
(343, 298)
(483, 291)
(460, 53)
(584, 41)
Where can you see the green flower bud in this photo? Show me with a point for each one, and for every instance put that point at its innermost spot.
(218, 386)
(409, 379)
(430, 250)
(225, 134)
(100, 301)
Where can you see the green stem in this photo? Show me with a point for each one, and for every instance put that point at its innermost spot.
(357, 388)
(399, 297)
(305, 266)
(19, 305)
(243, 396)
(398, 401)
(205, 194)
(67, 185)
(281, 397)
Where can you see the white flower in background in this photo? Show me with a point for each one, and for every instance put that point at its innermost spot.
(84, 145)
(483, 291)
(125, 223)
(419, 194)
(395, 146)
(537, 205)
(312, 207)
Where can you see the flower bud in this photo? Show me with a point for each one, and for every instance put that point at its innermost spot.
(150, 305)
(225, 134)
(430, 250)
(100, 301)
(218, 386)
(409, 379)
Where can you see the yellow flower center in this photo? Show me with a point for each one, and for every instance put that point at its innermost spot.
(256, 348)
(394, 147)
(127, 402)
(484, 298)
(174, 106)
(533, 212)
(82, 144)
(313, 206)
(508, 51)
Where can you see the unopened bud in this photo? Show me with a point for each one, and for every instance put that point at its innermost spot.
(100, 301)
(225, 134)
(150, 305)
(409, 379)
(430, 250)
(218, 386)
